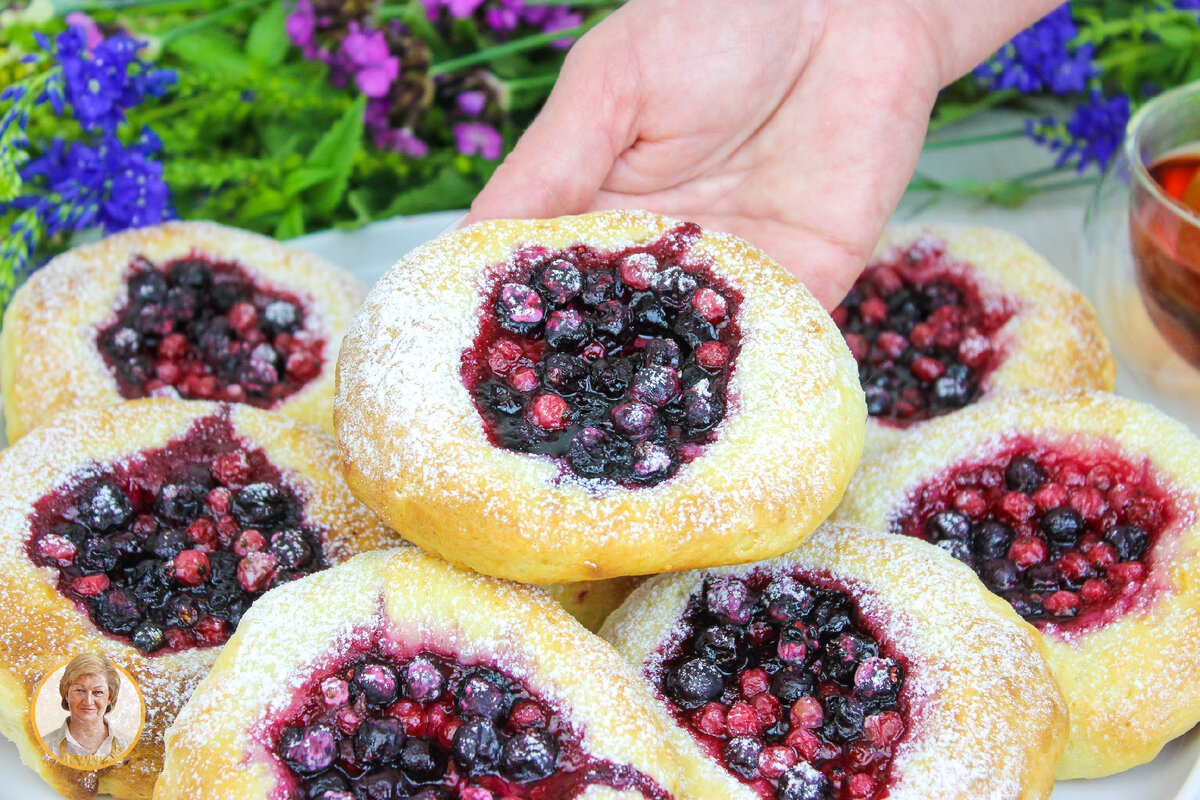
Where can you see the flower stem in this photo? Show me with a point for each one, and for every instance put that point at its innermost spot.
(535, 82)
(63, 7)
(967, 141)
(959, 113)
(209, 19)
(506, 49)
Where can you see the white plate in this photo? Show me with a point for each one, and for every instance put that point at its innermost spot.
(370, 251)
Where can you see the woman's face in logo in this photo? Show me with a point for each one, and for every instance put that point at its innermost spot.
(88, 697)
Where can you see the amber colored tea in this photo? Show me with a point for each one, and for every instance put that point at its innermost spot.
(1166, 249)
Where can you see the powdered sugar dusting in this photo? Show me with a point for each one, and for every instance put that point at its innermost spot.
(1148, 653)
(49, 361)
(1054, 340)
(404, 601)
(985, 717)
(417, 453)
(51, 629)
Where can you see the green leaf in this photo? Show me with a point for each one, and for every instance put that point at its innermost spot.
(268, 201)
(360, 205)
(336, 151)
(303, 178)
(213, 52)
(267, 42)
(449, 188)
(292, 223)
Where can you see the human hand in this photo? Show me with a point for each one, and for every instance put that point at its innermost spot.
(795, 125)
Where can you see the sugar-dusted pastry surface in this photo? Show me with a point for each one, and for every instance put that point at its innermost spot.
(416, 450)
(394, 605)
(946, 315)
(1119, 615)
(50, 356)
(980, 713)
(50, 621)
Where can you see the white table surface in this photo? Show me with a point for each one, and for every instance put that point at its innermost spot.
(1052, 224)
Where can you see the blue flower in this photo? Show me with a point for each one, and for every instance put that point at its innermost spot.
(1041, 57)
(1188, 5)
(1092, 134)
(101, 84)
(111, 185)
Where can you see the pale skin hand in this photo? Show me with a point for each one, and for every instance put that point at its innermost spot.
(795, 124)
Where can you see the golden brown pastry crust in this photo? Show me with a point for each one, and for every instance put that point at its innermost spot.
(1054, 339)
(418, 600)
(41, 627)
(992, 721)
(591, 602)
(415, 451)
(49, 361)
(1133, 684)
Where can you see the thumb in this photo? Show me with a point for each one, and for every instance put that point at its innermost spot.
(567, 152)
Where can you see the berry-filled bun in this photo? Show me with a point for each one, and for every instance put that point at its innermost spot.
(190, 310)
(944, 316)
(1082, 511)
(397, 675)
(596, 396)
(860, 666)
(143, 532)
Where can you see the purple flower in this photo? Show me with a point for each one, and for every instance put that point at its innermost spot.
(505, 16)
(459, 9)
(560, 19)
(301, 24)
(1092, 134)
(365, 53)
(476, 137)
(472, 103)
(91, 31)
(400, 140)
(1043, 56)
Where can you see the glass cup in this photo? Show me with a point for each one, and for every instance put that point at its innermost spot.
(1164, 234)
(1142, 253)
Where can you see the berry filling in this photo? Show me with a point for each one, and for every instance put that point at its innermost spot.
(616, 363)
(1065, 532)
(205, 330)
(167, 550)
(780, 679)
(425, 727)
(922, 334)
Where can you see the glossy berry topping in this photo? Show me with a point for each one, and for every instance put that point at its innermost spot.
(922, 333)
(203, 329)
(167, 550)
(426, 726)
(1064, 531)
(782, 681)
(614, 362)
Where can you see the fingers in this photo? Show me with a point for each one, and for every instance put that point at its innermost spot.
(567, 152)
(826, 267)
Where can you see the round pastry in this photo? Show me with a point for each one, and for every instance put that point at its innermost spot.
(142, 532)
(596, 396)
(397, 675)
(1081, 510)
(861, 665)
(591, 602)
(189, 310)
(944, 316)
